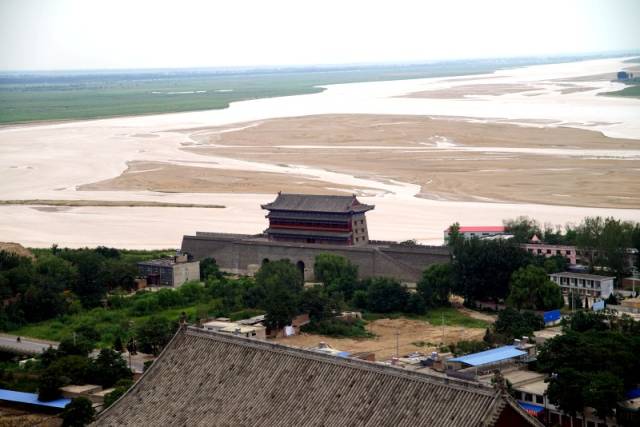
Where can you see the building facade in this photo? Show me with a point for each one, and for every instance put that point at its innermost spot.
(173, 271)
(542, 249)
(479, 232)
(302, 218)
(588, 287)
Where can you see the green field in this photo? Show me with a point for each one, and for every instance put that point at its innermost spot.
(632, 91)
(31, 96)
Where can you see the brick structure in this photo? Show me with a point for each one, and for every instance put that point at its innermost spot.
(173, 271)
(244, 254)
(301, 218)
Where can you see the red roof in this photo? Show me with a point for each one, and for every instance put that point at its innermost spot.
(481, 229)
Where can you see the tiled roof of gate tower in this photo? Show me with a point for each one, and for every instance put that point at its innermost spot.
(317, 203)
(205, 378)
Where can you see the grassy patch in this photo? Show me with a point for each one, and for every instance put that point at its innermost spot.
(451, 316)
(338, 328)
(630, 91)
(108, 322)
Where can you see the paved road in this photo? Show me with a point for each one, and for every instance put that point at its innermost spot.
(25, 346)
(31, 346)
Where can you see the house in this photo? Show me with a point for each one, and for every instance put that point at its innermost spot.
(469, 232)
(589, 287)
(539, 248)
(206, 378)
(31, 402)
(255, 331)
(173, 271)
(489, 360)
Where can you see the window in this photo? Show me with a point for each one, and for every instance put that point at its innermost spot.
(517, 395)
(549, 251)
(539, 251)
(557, 251)
(539, 399)
(568, 252)
(528, 397)
(591, 424)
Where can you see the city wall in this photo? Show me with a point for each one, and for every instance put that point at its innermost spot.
(244, 254)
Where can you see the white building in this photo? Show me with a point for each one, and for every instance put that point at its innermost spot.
(587, 286)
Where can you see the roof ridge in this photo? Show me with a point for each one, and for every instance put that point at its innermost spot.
(456, 383)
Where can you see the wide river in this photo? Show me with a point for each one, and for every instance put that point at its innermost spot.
(48, 161)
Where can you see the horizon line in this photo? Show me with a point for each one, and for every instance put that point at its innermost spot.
(328, 65)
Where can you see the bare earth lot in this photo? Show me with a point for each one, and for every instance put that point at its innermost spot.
(384, 344)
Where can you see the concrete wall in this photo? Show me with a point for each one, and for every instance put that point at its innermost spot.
(185, 272)
(241, 254)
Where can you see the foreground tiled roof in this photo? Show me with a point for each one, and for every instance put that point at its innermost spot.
(211, 379)
(317, 203)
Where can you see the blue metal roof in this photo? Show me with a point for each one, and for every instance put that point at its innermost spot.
(530, 408)
(632, 394)
(31, 399)
(490, 356)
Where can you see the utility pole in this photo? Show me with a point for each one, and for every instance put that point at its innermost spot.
(442, 328)
(397, 334)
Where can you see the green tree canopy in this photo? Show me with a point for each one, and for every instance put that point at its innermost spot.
(386, 295)
(153, 334)
(78, 413)
(532, 289)
(108, 368)
(436, 284)
(337, 273)
(282, 284)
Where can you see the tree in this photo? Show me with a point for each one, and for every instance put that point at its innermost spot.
(523, 228)
(512, 324)
(386, 295)
(75, 345)
(603, 392)
(153, 334)
(532, 289)
(70, 369)
(117, 344)
(282, 284)
(337, 274)
(454, 237)
(209, 269)
(89, 286)
(108, 368)
(435, 285)
(49, 386)
(565, 390)
(482, 269)
(415, 304)
(78, 413)
(318, 304)
(121, 388)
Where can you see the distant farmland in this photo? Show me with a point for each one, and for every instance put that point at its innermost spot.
(32, 96)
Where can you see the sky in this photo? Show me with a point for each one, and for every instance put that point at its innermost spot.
(112, 34)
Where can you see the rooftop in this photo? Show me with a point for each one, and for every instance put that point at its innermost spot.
(480, 229)
(489, 356)
(31, 399)
(581, 275)
(204, 378)
(317, 203)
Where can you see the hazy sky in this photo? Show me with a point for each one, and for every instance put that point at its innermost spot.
(96, 34)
